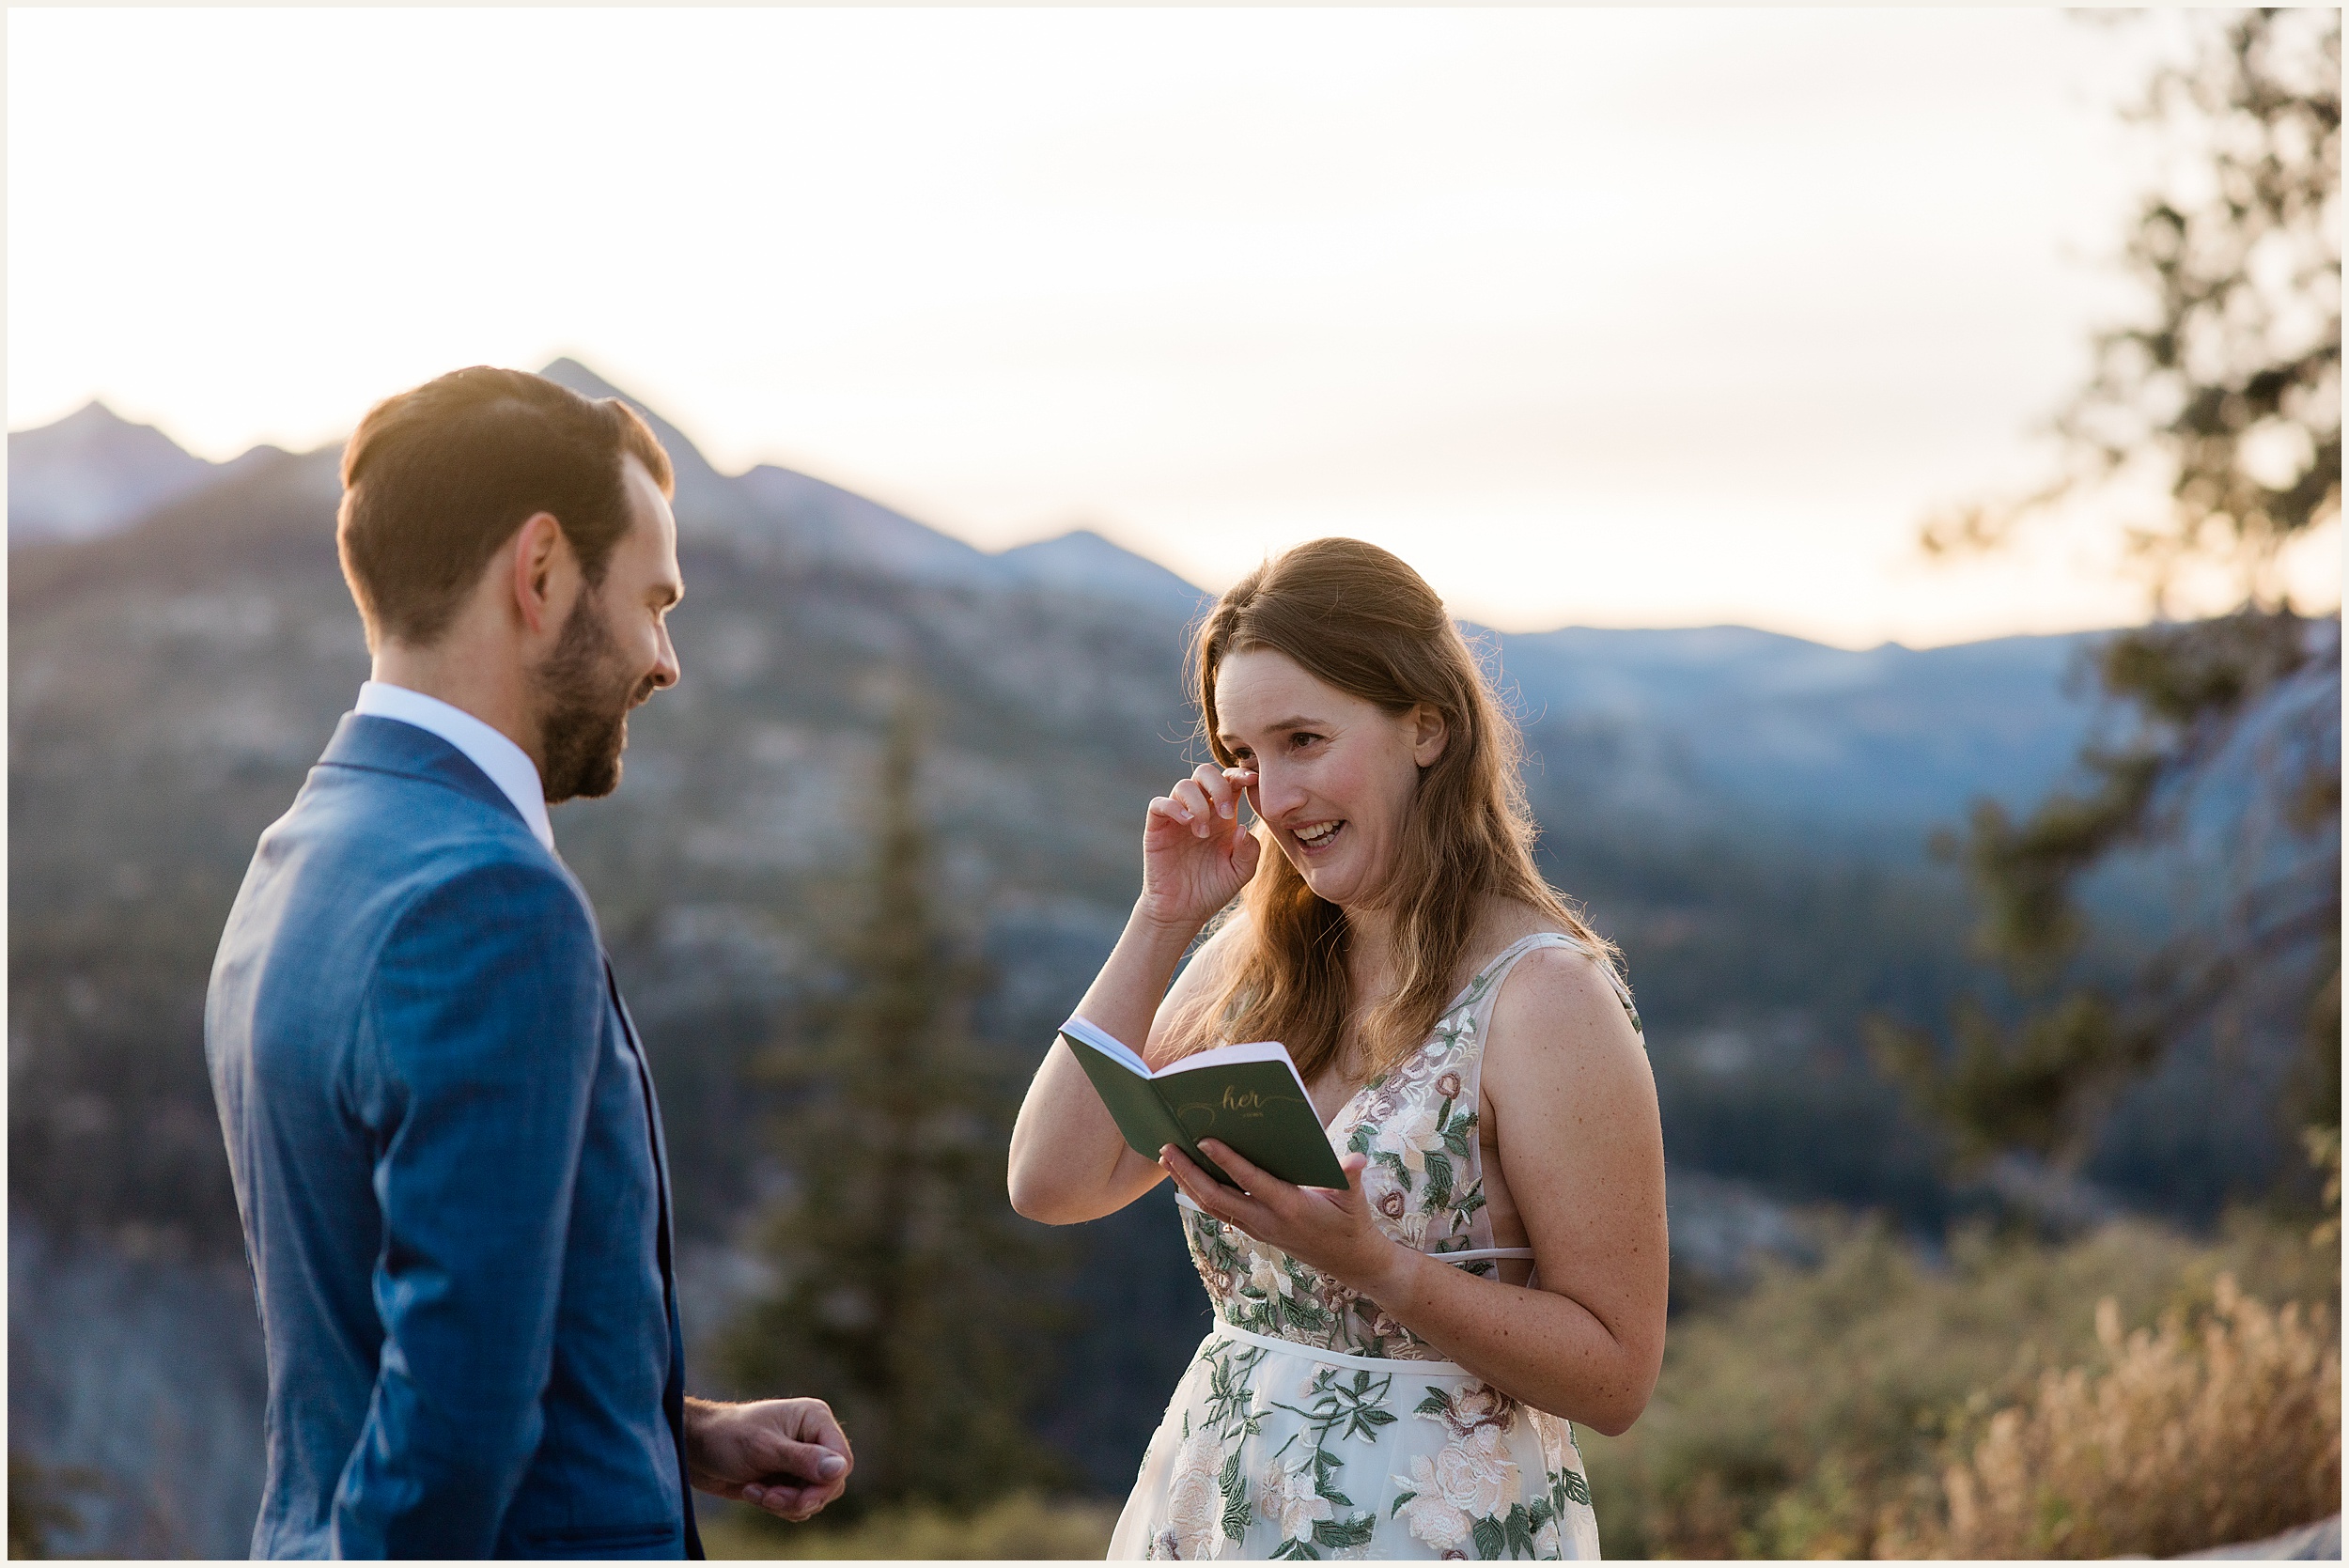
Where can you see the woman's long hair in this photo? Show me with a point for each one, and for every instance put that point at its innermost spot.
(1357, 618)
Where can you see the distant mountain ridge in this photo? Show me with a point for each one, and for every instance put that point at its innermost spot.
(94, 473)
(1886, 741)
(1684, 726)
(815, 520)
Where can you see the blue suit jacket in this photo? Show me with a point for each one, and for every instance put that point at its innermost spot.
(449, 1160)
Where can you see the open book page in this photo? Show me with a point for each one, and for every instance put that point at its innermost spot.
(1102, 1040)
(1221, 1056)
(1233, 1056)
(1132, 1100)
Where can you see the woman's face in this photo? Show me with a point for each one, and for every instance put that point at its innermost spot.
(1336, 775)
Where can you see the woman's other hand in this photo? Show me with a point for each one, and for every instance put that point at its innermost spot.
(1195, 854)
(1330, 1229)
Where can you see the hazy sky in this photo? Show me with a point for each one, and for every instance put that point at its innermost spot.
(1609, 318)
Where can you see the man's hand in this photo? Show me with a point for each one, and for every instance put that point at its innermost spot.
(788, 1456)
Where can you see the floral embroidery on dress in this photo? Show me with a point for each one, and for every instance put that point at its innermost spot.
(1470, 1492)
(1418, 1124)
(1208, 1504)
(1195, 1512)
(1291, 1501)
(1301, 1493)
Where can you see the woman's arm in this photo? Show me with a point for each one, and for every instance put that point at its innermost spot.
(1582, 1146)
(1068, 1161)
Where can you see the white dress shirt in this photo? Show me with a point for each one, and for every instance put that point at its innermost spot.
(507, 764)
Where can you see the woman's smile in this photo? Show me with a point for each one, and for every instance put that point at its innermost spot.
(1316, 838)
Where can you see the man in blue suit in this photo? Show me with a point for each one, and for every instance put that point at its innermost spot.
(446, 1150)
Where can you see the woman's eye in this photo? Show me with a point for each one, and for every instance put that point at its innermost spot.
(1303, 739)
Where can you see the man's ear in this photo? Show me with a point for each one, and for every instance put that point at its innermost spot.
(536, 545)
(1429, 735)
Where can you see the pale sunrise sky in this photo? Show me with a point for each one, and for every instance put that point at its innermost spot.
(1608, 318)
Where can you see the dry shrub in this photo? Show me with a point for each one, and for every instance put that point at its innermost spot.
(2191, 1435)
(1792, 1420)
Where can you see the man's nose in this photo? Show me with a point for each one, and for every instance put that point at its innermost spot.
(666, 671)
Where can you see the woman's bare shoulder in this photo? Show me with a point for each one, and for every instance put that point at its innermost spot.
(1558, 1002)
(1503, 922)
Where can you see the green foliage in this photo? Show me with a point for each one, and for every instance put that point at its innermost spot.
(2230, 377)
(2023, 871)
(2231, 383)
(2036, 1086)
(909, 1296)
(1787, 1421)
(1022, 1527)
(2191, 685)
(2040, 1085)
(2230, 380)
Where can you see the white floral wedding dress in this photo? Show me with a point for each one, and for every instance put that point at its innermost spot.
(1310, 1423)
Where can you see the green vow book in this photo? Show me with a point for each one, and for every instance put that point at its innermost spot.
(1249, 1096)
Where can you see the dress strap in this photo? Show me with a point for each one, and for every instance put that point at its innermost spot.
(1523, 945)
(1519, 949)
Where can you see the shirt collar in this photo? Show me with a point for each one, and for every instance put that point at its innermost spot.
(507, 764)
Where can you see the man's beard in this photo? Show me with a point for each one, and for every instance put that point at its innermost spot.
(586, 697)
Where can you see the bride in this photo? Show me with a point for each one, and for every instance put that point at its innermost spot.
(1395, 1367)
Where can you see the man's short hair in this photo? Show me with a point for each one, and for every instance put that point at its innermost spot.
(438, 479)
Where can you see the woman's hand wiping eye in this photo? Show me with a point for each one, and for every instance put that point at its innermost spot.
(1196, 854)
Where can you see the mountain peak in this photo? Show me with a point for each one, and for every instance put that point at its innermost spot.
(92, 417)
(563, 370)
(93, 472)
(567, 372)
(704, 497)
(1083, 561)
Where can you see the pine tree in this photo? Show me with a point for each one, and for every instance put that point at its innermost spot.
(909, 1294)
